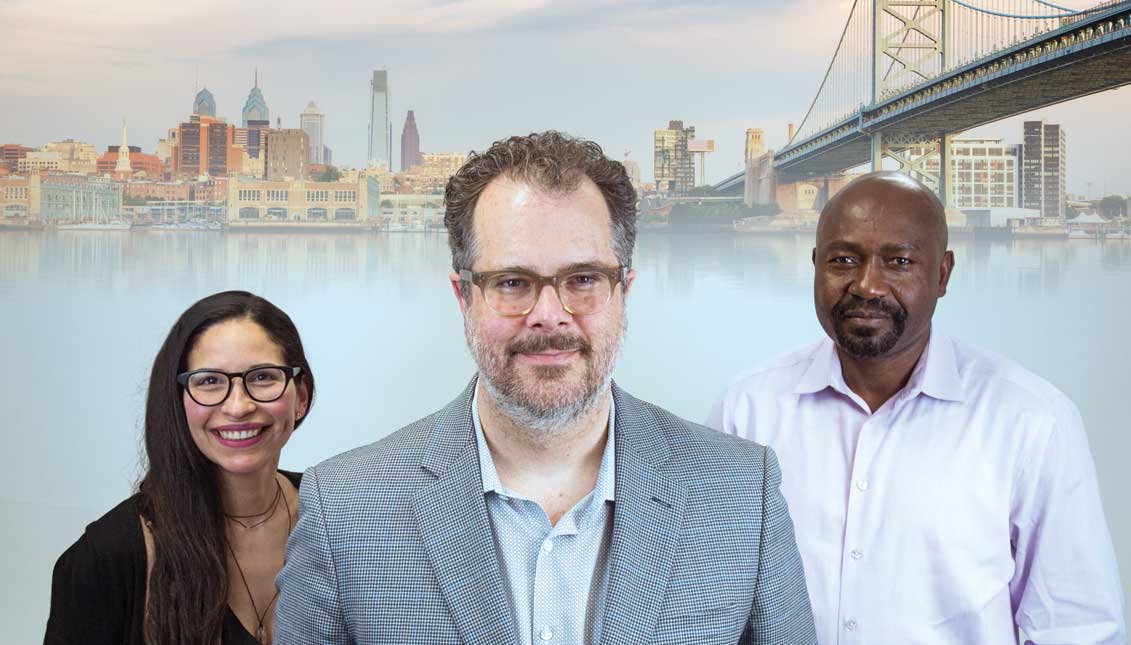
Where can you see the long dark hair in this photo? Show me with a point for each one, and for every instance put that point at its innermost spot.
(179, 495)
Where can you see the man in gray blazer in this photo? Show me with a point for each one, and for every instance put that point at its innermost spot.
(545, 504)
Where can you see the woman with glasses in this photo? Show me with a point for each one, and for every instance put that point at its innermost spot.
(192, 556)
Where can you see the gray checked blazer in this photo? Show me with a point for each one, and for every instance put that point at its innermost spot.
(394, 545)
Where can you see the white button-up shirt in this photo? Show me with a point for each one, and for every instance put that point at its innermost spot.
(965, 507)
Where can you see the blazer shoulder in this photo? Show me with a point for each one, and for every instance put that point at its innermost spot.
(698, 452)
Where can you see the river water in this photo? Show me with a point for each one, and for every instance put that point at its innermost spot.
(83, 314)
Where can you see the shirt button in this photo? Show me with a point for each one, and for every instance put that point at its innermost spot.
(856, 555)
(547, 634)
(862, 484)
(548, 546)
(850, 625)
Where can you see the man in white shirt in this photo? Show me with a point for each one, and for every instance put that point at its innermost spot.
(940, 494)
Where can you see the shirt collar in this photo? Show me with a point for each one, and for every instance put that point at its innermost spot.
(936, 373)
(606, 478)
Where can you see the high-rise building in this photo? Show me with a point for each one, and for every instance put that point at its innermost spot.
(1044, 168)
(985, 173)
(327, 156)
(755, 147)
(380, 139)
(674, 165)
(287, 153)
(255, 109)
(311, 122)
(204, 146)
(410, 143)
(204, 104)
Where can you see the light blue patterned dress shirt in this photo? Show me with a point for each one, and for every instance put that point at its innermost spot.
(555, 575)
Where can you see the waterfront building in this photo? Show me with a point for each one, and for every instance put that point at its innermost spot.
(255, 108)
(301, 201)
(311, 121)
(674, 165)
(62, 156)
(11, 153)
(985, 173)
(287, 154)
(440, 164)
(1044, 169)
(19, 199)
(380, 139)
(74, 197)
(38, 160)
(158, 191)
(410, 143)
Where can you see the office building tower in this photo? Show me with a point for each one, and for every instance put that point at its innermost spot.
(410, 143)
(288, 152)
(674, 165)
(311, 122)
(380, 141)
(255, 109)
(1044, 168)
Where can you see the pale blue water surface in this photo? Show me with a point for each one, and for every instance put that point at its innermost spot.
(82, 315)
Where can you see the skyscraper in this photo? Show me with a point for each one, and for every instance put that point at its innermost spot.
(311, 122)
(255, 109)
(380, 139)
(410, 143)
(204, 104)
(674, 165)
(1044, 168)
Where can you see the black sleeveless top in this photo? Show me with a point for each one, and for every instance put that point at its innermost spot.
(98, 586)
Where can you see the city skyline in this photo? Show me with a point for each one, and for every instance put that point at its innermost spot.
(470, 102)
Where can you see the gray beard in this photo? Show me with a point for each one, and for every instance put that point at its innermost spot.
(546, 422)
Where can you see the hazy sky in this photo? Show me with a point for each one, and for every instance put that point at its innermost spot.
(609, 70)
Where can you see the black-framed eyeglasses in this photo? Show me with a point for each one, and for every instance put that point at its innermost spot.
(263, 384)
(514, 292)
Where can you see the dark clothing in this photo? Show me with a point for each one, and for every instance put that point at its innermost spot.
(98, 587)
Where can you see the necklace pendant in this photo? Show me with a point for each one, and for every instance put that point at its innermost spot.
(261, 635)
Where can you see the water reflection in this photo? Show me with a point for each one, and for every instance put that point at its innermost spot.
(84, 313)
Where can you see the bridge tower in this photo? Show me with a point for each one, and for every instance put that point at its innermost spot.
(909, 45)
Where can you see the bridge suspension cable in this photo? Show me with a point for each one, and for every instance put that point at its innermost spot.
(920, 41)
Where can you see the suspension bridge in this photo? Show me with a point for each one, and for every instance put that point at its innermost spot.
(907, 75)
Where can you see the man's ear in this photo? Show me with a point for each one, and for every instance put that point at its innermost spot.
(945, 269)
(629, 278)
(457, 289)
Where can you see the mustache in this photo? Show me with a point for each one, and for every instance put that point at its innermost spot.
(557, 342)
(855, 307)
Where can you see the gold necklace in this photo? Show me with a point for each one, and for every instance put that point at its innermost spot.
(261, 630)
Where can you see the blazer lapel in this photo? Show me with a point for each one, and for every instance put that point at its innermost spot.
(451, 515)
(647, 519)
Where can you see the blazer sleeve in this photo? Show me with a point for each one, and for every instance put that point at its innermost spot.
(309, 608)
(781, 611)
